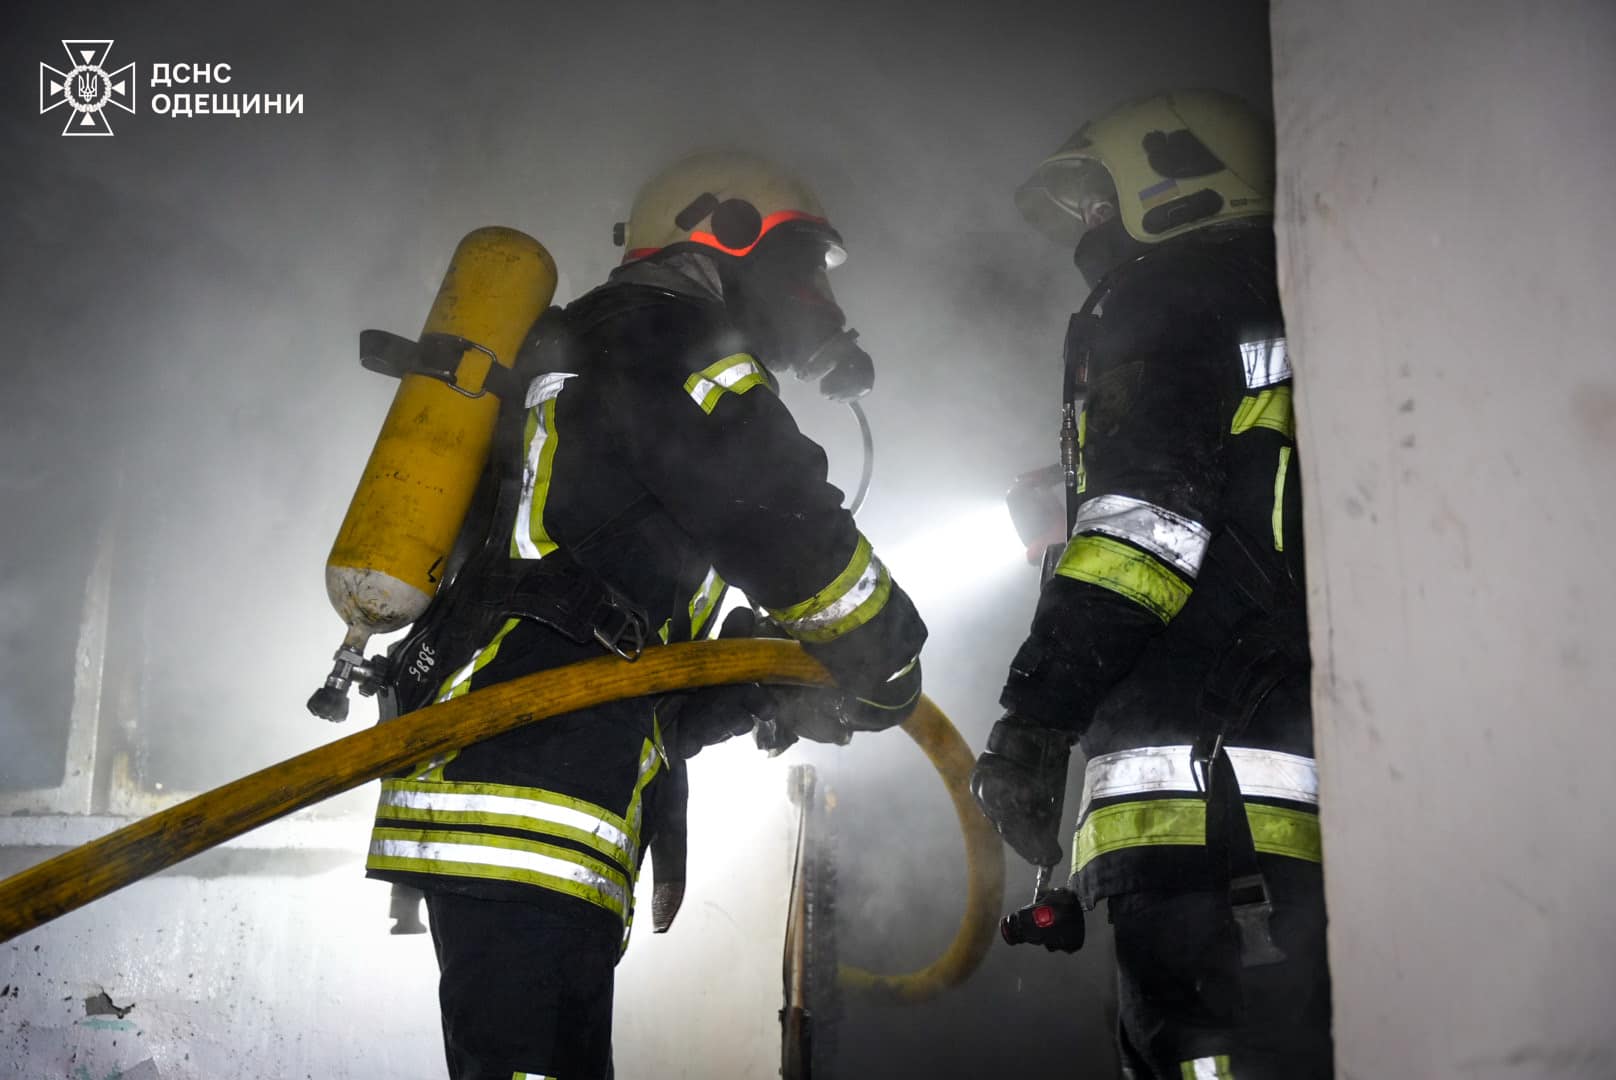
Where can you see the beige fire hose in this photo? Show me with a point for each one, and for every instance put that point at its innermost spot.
(74, 878)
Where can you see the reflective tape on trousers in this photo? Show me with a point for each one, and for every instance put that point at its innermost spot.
(1172, 538)
(1264, 774)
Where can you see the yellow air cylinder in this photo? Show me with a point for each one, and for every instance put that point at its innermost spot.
(417, 486)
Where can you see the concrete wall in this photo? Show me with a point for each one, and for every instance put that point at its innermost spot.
(1448, 246)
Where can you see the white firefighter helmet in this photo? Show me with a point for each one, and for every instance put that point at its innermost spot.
(1166, 165)
(724, 200)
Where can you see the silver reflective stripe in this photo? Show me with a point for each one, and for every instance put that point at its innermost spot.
(437, 851)
(531, 1076)
(1268, 774)
(539, 391)
(1207, 1068)
(1172, 538)
(704, 388)
(546, 386)
(453, 682)
(906, 669)
(1266, 362)
(843, 606)
(513, 806)
(701, 604)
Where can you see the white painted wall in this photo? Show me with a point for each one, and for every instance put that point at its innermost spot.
(1448, 251)
(289, 976)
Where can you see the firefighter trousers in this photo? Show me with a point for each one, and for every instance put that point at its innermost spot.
(1189, 1010)
(525, 988)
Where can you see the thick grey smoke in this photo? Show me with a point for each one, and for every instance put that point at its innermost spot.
(182, 303)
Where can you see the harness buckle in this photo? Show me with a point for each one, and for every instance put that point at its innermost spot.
(619, 629)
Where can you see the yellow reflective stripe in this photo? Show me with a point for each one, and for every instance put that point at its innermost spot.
(1279, 497)
(500, 858)
(1270, 409)
(1127, 571)
(853, 598)
(1082, 436)
(704, 603)
(1207, 1068)
(530, 540)
(510, 807)
(1275, 830)
(734, 374)
(651, 755)
(862, 554)
(650, 762)
(460, 682)
(433, 769)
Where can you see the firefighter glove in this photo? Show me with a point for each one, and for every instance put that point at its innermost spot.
(1019, 781)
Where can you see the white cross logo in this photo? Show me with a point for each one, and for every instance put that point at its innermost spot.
(86, 87)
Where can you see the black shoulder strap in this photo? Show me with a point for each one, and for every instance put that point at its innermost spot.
(484, 585)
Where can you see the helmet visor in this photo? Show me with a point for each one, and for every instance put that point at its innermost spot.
(1067, 197)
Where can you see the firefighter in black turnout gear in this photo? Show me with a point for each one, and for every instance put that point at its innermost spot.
(1170, 639)
(651, 466)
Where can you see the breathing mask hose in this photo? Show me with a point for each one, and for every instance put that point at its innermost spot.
(74, 878)
(869, 457)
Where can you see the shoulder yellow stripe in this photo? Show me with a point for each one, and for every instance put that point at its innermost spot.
(734, 374)
(1127, 571)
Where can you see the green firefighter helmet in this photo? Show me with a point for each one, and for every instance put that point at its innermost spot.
(1165, 165)
(723, 200)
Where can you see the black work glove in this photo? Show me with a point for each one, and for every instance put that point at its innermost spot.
(712, 714)
(1018, 782)
(777, 714)
(802, 712)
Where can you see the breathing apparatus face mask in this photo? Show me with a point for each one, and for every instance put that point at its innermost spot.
(784, 302)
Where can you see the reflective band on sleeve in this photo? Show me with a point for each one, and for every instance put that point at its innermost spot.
(734, 374)
(1207, 1068)
(1263, 774)
(705, 602)
(1270, 409)
(460, 682)
(509, 807)
(529, 539)
(1160, 822)
(853, 598)
(1172, 538)
(1279, 497)
(499, 858)
(1127, 571)
(1266, 362)
(531, 1076)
